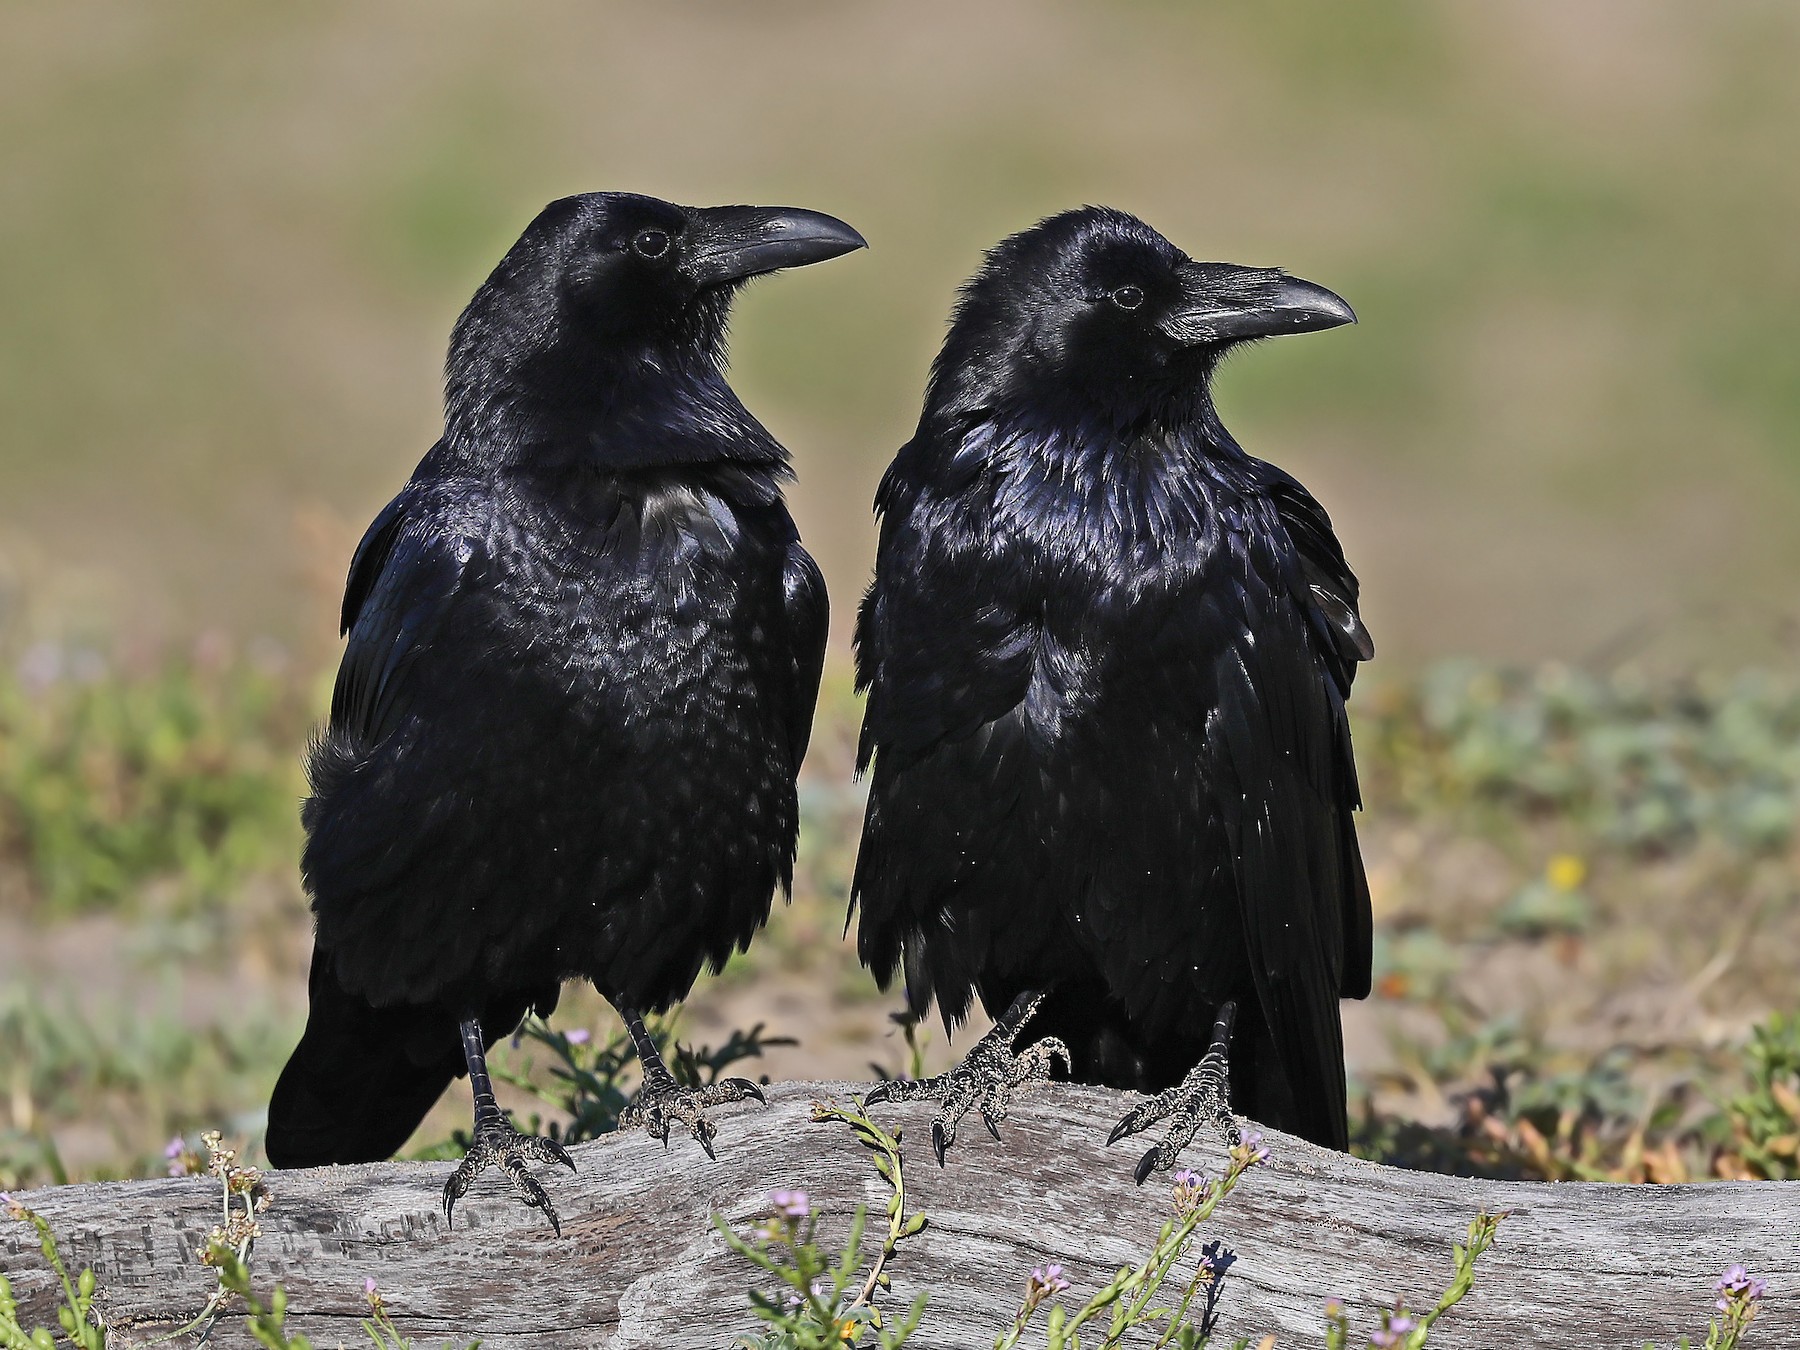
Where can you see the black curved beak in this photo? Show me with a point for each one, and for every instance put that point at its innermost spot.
(734, 243)
(1224, 303)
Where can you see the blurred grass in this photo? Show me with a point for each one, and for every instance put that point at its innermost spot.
(186, 774)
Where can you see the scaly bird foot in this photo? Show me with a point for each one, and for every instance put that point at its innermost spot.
(1202, 1098)
(498, 1144)
(662, 1101)
(986, 1079)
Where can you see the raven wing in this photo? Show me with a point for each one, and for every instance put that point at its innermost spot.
(384, 796)
(808, 612)
(1278, 752)
(404, 578)
(944, 651)
(942, 647)
(1328, 591)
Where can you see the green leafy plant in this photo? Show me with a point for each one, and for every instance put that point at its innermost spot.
(1128, 1301)
(818, 1310)
(228, 1251)
(76, 1314)
(1399, 1329)
(1764, 1123)
(1740, 1296)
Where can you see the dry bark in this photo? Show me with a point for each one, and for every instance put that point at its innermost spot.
(639, 1263)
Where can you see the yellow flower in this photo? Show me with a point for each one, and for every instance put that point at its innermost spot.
(1566, 872)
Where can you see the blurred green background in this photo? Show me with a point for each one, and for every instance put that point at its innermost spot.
(1563, 443)
(234, 237)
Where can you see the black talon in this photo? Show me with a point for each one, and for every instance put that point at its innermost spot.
(986, 1080)
(1145, 1166)
(662, 1101)
(1202, 1098)
(496, 1143)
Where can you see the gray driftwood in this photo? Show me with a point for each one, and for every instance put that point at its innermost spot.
(639, 1264)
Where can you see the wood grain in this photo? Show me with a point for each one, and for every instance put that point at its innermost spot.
(639, 1263)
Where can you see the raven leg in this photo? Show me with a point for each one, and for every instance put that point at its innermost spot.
(661, 1100)
(986, 1079)
(1200, 1098)
(497, 1143)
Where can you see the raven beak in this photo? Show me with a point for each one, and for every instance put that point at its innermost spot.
(1223, 303)
(734, 243)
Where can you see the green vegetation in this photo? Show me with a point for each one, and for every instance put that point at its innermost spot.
(111, 780)
(1624, 762)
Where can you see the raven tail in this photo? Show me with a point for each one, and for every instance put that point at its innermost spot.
(362, 1077)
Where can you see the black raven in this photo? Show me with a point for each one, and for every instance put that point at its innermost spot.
(584, 649)
(1106, 654)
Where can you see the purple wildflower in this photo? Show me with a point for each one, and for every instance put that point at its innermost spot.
(1737, 1286)
(369, 1286)
(1047, 1281)
(579, 1036)
(1395, 1332)
(791, 1204)
(1252, 1145)
(1191, 1189)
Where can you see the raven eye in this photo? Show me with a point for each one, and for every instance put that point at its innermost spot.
(650, 244)
(1128, 297)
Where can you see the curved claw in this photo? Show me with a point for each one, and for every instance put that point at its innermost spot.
(503, 1147)
(705, 1141)
(940, 1142)
(1122, 1129)
(551, 1151)
(535, 1196)
(993, 1127)
(749, 1089)
(876, 1095)
(1145, 1166)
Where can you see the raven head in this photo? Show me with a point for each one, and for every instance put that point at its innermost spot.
(1093, 311)
(607, 289)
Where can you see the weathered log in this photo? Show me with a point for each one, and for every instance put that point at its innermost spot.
(639, 1263)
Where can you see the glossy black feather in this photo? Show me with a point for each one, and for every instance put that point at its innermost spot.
(583, 651)
(1106, 655)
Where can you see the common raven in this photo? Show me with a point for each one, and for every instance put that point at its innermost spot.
(1106, 654)
(584, 649)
